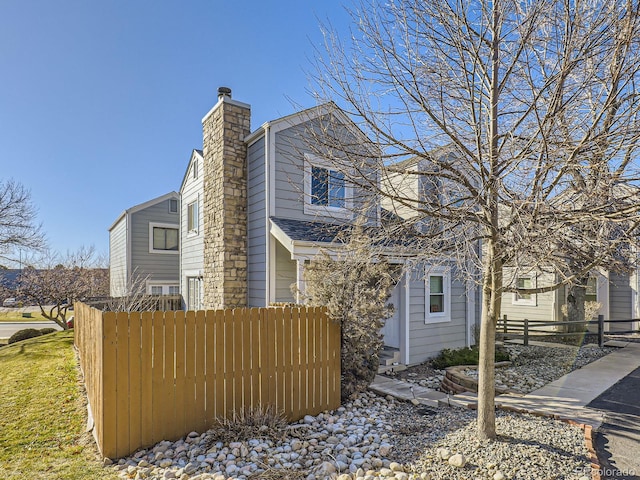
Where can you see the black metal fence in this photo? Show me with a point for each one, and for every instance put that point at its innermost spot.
(526, 329)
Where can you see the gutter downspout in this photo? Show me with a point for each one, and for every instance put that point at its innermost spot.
(267, 211)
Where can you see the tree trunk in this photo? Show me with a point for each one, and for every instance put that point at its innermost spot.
(491, 300)
(575, 305)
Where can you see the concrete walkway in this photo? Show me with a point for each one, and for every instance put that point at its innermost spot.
(566, 397)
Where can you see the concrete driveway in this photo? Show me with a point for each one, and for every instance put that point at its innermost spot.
(618, 439)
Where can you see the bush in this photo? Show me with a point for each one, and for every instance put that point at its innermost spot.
(24, 334)
(247, 424)
(47, 330)
(463, 356)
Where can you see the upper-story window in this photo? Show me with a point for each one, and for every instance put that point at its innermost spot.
(192, 217)
(326, 190)
(194, 169)
(173, 205)
(163, 238)
(327, 187)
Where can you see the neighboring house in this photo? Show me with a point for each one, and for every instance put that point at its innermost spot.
(144, 247)
(256, 206)
(617, 293)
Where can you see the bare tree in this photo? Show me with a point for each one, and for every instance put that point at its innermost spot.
(136, 299)
(60, 282)
(18, 229)
(518, 123)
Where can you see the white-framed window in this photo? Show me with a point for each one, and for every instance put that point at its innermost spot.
(437, 294)
(163, 238)
(525, 281)
(173, 205)
(591, 290)
(326, 190)
(194, 293)
(194, 169)
(163, 289)
(192, 217)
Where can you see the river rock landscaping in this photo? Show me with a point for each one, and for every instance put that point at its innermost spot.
(376, 437)
(531, 367)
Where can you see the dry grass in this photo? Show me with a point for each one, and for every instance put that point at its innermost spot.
(248, 423)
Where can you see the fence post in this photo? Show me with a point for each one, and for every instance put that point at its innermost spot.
(504, 327)
(526, 332)
(600, 330)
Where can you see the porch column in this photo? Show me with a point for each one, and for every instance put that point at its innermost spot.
(300, 280)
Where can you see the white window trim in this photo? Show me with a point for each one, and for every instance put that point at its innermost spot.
(310, 209)
(531, 302)
(164, 284)
(437, 317)
(177, 210)
(152, 225)
(194, 231)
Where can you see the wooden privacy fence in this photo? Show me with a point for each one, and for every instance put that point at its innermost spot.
(155, 376)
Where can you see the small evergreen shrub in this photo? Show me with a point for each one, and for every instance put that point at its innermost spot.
(47, 330)
(24, 334)
(463, 356)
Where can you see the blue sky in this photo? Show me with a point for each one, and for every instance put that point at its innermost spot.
(101, 102)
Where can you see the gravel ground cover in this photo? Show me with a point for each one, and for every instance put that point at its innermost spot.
(376, 438)
(381, 438)
(532, 367)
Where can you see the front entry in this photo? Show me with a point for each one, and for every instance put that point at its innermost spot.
(391, 329)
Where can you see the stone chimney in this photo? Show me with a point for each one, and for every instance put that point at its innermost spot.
(224, 206)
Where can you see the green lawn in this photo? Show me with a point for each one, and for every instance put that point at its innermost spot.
(11, 315)
(42, 413)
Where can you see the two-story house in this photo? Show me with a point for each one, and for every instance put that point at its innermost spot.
(144, 248)
(256, 206)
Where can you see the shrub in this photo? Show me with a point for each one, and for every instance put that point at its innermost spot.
(247, 424)
(355, 288)
(47, 330)
(24, 334)
(463, 356)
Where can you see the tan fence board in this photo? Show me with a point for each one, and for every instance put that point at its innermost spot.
(157, 380)
(135, 379)
(180, 424)
(146, 386)
(190, 375)
(219, 351)
(209, 366)
(200, 424)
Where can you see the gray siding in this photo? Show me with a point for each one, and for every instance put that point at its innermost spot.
(543, 308)
(118, 258)
(285, 274)
(619, 300)
(290, 147)
(158, 266)
(191, 244)
(426, 340)
(256, 225)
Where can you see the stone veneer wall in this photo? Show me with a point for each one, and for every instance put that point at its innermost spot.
(224, 208)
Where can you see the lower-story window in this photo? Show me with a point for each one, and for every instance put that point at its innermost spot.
(194, 293)
(437, 295)
(163, 289)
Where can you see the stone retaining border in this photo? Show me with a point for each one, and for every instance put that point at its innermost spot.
(455, 381)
